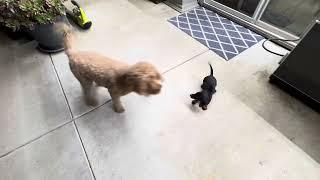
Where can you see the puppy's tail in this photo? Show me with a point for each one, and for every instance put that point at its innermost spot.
(67, 36)
(211, 70)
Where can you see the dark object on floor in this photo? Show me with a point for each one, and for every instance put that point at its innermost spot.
(157, 1)
(275, 40)
(208, 89)
(219, 34)
(299, 72)
(49, 40)
(78, 16)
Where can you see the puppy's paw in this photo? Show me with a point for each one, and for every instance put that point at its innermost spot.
(194, 102)
(204, 108)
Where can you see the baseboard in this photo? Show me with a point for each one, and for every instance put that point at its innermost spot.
(174, 6)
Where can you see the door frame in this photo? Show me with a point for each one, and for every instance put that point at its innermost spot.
(253, 22)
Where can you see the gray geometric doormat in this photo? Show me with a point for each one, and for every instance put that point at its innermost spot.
(219, 34)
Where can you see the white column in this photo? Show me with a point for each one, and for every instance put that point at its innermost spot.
(182, 5)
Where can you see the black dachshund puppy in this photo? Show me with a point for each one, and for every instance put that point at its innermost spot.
(208, 89)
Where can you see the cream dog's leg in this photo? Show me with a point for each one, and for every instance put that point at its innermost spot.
(88, 90)
(117, 105)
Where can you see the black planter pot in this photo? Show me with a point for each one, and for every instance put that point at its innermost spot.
(50, 41)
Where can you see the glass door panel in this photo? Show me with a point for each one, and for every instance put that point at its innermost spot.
(287, 19)
(293, 16)
(246, 7)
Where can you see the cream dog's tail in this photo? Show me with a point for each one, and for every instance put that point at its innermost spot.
(68, 37)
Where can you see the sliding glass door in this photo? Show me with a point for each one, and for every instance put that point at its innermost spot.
(283, 18)
(292, 16)
(246, 7)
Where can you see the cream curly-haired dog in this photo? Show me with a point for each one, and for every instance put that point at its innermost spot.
(118, 77)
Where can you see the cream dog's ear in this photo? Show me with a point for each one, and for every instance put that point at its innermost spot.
(132, 75)
(139, 71)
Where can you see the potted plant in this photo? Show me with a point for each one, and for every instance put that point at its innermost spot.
(37, 17)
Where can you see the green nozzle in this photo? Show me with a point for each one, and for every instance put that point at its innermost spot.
(84, 22)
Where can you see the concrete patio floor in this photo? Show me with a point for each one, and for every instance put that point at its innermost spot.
(251, 131)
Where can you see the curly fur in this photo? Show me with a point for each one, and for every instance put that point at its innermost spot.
(120, 78)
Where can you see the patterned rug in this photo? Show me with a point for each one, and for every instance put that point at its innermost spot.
(219, 34)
